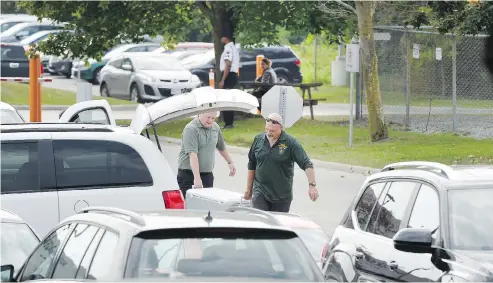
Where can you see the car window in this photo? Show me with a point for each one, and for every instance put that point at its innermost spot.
(74, 250)
(28, 31)
(95, 115)
(88, 256)
(38, 265)
(426, 211)
(138, 49)
(103, 259)
(19, 167)
(367, 202)
(241, 253)
(152, 47)
(470, 218)
(314, 240)
(116, 63)
(390, 211)
(8, 25)
(17, 243)
(153, 63)
(12, 52)
(96, 163)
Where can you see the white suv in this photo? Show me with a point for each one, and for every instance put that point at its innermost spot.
(52, 170)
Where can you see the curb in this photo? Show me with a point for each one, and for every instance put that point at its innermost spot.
(317, 163)
(64, 107)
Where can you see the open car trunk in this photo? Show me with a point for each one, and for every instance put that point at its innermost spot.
(199, 100)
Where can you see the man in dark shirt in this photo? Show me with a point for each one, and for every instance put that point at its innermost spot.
(271, 168)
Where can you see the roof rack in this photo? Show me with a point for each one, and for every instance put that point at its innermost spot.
(443, 169)
(271, 218)
(134, 216)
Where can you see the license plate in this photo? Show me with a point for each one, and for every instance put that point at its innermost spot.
(176, 91)
(14, 65)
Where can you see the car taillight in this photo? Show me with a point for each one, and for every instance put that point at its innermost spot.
(297, 62)
(173, 199)
(324, 251)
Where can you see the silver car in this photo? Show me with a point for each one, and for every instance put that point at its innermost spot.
(146, 77)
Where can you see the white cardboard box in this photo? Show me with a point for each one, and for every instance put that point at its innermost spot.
(213, 199)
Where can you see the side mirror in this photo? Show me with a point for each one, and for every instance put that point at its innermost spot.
(127, 67)
(413, 240)
(7, 273)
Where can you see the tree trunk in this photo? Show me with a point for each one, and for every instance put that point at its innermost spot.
(376, 122)
(222, 24)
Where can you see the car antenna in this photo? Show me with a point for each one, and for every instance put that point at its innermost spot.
(208, 218)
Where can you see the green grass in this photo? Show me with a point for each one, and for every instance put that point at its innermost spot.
(328, 140)
(18, 94)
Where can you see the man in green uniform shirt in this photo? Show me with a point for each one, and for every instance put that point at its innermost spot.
(271, 168)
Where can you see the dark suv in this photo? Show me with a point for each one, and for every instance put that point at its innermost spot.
(285, 63)
(417, 221)
(14, 60)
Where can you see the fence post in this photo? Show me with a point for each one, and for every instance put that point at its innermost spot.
(408, 78)
(258, 69)
(454, 84)
(38, 89)
(33, 90)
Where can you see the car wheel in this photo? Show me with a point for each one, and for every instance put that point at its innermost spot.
(282, 79)
(96, 78)
(134, 93)
(103, 90)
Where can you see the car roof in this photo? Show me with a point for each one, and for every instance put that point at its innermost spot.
(62, 127)
(174, 219)
(295, 221)
(9, 216)
(437, 173)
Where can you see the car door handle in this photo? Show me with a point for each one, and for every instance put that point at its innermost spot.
(393, 264)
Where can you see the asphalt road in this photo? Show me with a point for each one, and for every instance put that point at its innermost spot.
(336, 189)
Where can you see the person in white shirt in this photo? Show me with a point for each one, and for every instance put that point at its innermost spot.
(229, 66)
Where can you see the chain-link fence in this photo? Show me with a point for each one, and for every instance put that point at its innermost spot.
(434, 83)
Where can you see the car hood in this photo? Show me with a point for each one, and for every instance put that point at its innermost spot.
(168, 75)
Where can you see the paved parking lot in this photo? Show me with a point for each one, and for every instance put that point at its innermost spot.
(336, 189)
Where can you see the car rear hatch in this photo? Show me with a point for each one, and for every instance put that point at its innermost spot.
(215, 253)
(14, 61)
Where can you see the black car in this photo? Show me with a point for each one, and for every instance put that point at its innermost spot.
(285, 63)
(417, 221)
(14, 60)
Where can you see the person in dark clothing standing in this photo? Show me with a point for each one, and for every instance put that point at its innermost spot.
(268, 76)
(229, 66)
(271, 168)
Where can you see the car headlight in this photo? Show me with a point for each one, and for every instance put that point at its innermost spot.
(147, 78)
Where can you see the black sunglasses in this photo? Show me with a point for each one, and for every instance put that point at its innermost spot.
(272, 121)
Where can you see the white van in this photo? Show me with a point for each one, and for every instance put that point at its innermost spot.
(52, 170)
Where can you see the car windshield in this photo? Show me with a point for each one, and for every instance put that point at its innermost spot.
(7, 25)
(471, 219)
(314, 240)
(158, 63)
(10, 117)
(18, 241)
(219, 253)
(35, 37)
(199, 59)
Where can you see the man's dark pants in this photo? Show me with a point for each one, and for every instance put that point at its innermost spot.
(230, 83)
(259, 202)
(185, 180)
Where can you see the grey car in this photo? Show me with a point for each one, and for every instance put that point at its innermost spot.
(112, 244)
(146, 77)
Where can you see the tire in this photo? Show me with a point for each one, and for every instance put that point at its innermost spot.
(282, 78)
(104, 91)
(96, 76)
(135, 93)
